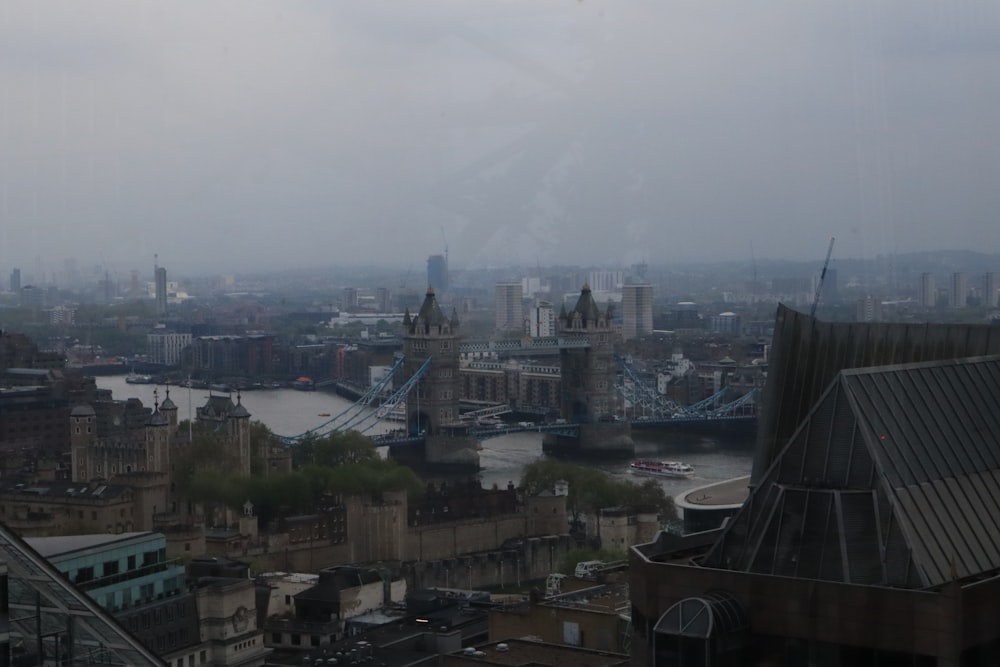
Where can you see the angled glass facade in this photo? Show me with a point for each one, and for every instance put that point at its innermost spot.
(44, 619)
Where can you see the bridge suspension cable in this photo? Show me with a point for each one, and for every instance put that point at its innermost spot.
(364, 423)
(638, 391)
(355, 417)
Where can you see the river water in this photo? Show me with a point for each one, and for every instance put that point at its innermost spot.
(290, 412)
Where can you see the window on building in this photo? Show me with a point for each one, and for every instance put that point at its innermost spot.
(110, 567)
(130, 563)
(84, 574)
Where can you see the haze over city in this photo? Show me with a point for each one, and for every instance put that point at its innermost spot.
(238, 135)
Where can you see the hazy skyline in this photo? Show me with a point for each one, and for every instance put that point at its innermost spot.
(235, 135)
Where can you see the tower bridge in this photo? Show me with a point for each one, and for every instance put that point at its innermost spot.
(590, 402)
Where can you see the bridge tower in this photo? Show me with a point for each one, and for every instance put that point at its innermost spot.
(432, 408)
(588, 368)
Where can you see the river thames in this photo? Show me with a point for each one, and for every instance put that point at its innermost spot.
(289, 412)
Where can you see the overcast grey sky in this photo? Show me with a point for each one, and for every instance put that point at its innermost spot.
(237, 134)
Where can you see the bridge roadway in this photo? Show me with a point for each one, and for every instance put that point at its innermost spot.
(568, 429)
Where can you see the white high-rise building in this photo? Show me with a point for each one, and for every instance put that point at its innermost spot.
(869, 309)
(509, 307)
(165, 347)
(990, 289)
(928, 291)
(959, 290)
(530, 287)
(637, 310)
(605, 281)
(541, 321)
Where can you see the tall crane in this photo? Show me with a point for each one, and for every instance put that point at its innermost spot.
(822, 276)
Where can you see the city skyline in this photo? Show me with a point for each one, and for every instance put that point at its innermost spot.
(305, 135)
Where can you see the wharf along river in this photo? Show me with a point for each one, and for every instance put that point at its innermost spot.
(290, 412)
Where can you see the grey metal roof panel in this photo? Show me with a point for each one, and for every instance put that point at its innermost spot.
(921, 438)
(934, 423)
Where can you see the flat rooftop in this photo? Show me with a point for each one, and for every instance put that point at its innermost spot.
(720, 495)
(51, 547)
(521, 652)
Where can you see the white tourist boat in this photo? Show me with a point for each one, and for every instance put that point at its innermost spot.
(674, 469)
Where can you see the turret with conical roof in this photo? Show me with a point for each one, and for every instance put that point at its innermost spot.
(239, 435)
(586, 314)
(157, 439)
(587, 360)
(169, 410)
(429, 319)
(431, 334)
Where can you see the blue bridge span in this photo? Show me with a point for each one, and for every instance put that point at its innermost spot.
(649, 411)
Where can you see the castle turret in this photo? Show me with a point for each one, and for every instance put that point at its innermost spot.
(432, 406)
(587, 364)
(169, 409)
(430, 334)
(157, 440)
(83, 438)
(588, 371)
(239, 435)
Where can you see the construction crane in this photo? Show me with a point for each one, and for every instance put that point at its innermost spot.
(822, 276)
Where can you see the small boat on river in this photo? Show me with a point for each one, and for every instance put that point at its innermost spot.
(672, 469)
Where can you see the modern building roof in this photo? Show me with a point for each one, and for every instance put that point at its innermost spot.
(524, 652)
(44, 604)
(62, 489)
(808, 353)
(335, 579)
(51, 547)
(893, 479)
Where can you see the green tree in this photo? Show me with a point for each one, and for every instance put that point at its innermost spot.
(590, 489)
(346, 464)
(208, 452)
(338, 449)
(262, 441)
